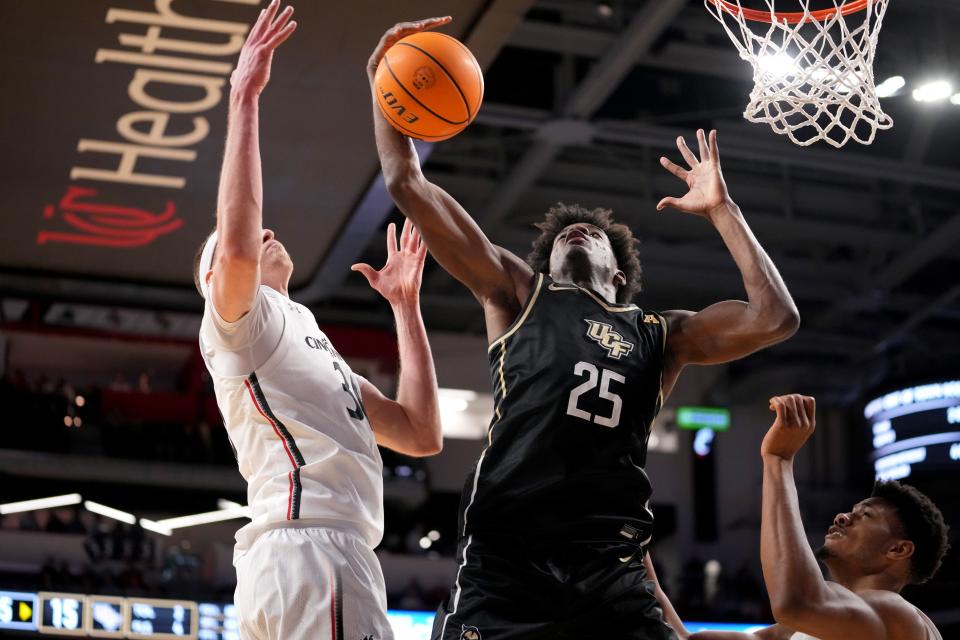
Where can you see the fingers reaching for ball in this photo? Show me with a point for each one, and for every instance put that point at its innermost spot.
(397, 33)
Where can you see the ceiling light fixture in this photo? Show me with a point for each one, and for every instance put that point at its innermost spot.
(933, 91)
(40, 503)
(891, 86)
(156, 527)
(208, 517)
(110, 512)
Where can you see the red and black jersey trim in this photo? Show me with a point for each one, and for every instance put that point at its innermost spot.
(289, 444)
(336, 604)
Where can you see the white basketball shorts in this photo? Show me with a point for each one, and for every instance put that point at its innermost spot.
(311, 583)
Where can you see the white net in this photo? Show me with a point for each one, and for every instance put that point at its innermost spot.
(813, 79)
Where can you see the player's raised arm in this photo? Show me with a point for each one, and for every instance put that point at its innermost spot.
(236, 265)
(411, 423)
(491, 273)
(799, 596)
(731, 329)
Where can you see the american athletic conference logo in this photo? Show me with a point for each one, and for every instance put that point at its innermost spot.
(604, 335)
(469, 633)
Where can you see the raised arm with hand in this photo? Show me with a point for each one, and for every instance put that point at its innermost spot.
(236, 269)
(496, 277)
(731, 329)
(411, 423)
(799, 596)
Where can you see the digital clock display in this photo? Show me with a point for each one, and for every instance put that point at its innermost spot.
(149, 618)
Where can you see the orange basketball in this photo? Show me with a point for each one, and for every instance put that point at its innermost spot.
(429, 86)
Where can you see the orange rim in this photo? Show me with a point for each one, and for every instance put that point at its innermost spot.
(756, 15)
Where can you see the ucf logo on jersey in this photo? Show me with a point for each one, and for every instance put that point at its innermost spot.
(604, 335)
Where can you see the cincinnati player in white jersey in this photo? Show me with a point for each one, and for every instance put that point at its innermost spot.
(304, 426)
(892, 539)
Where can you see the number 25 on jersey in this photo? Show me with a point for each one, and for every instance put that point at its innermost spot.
(596, 376)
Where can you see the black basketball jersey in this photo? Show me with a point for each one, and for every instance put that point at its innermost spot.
(577, 384)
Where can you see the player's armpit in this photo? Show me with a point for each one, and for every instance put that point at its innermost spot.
(234, 286)
(393, 428)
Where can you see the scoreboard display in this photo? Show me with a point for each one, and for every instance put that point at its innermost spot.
(75, 614)
(916, 430)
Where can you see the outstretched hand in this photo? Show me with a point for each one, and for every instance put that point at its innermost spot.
(795, 422)
(399, 279)
(707, 189)
(397, 33)
(270, 31)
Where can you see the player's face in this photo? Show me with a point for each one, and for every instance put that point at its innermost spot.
(274, 256)
(275, 262)
(582, 241)
(864, 535)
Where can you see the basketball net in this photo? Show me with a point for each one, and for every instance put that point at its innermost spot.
(812, 71)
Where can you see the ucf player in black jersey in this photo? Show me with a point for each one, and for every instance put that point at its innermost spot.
(555, 517)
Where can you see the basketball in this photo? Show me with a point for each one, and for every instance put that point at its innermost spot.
(429, 86)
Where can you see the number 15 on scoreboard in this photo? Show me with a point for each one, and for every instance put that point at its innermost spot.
(62, 613)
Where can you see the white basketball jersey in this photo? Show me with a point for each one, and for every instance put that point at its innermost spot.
(801, 636)
(299, 429)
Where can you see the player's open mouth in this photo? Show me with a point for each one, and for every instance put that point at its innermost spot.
(576, 237)
(835, 532)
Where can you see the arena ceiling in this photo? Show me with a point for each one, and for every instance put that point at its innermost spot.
(581, 99)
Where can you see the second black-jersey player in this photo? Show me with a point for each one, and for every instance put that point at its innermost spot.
(555, 516)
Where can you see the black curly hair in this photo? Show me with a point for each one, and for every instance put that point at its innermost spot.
(922, 524)
(561, 216)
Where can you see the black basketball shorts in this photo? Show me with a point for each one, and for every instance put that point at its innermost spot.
(513, 590)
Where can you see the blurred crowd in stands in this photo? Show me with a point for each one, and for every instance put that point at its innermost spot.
(116, 558)
(121, 420)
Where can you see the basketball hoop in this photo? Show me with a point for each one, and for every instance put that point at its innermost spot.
(812, 71)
